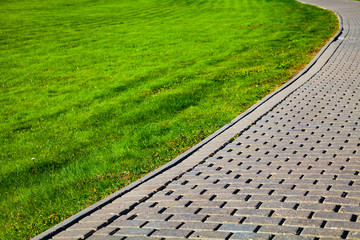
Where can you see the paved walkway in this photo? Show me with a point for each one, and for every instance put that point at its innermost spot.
(291, 172)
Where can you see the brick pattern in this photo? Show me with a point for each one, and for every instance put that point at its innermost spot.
(293, 173)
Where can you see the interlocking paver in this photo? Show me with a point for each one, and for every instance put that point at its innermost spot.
(133, 232)
(253, 236)
(162, 225)
(237, 228)
(199, 226)
(75, 234)
(127, 223)
(172, 233)
(288, 168)
(209, 235)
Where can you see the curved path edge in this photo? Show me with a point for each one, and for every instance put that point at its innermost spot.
(214, 142)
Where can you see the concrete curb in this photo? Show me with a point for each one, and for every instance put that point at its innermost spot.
(86, 212)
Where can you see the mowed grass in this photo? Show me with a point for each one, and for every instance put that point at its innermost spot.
(96, 93)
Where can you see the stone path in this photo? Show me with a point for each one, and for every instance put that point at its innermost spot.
(291, 172)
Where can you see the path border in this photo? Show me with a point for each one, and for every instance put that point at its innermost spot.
(89, 210)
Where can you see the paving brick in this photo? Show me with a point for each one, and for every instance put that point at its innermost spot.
(142, 238)
(145, 209)
(171, 233)
(208, 204)
(85, 225)
(242, 204)
(69, 238)
(217, 211)
(300, 199)
(126, 223)
(291, 213)
(172, 210)
(303, 222)
(332, 216)
(133, 232)
(317, 207)
(199, 226)
(153, 217)
(106, 231)
(180, 203)
(237, 228)
(249, 235)
(292, 237)
(223, 219)
(187, 217)
(96, 218)
(209, 235)
(252, 212)
(343, 225)
(161, 225)
(75, 234)
(350, 209)
(342, 200)
(262, 220)
(108, 212)
(102, 238)
(277, 205)
(278, 229)
(334, 233)
(123, 237)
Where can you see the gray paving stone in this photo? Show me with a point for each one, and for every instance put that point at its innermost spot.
(303, 222)
(133, 232)
(85, 225)
(143, 238)
(187, 217)
(248, 235)
(209, 235)
(274, 229)
(334, 233)
(237, 228)
(104, 232)
(75, 234)
(126, 223)
(199, 226)
(171, 233)
(263, 220)
(162, 225)
(292, 237)
(343, 225)
(153, 216)
(104, 237)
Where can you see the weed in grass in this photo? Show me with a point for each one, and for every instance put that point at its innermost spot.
(95, 94)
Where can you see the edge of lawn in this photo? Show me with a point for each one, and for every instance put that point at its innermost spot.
(89, 210)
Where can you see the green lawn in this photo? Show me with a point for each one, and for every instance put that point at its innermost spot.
(96, 93)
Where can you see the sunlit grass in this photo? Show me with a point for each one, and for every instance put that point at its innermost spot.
(96, 93)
